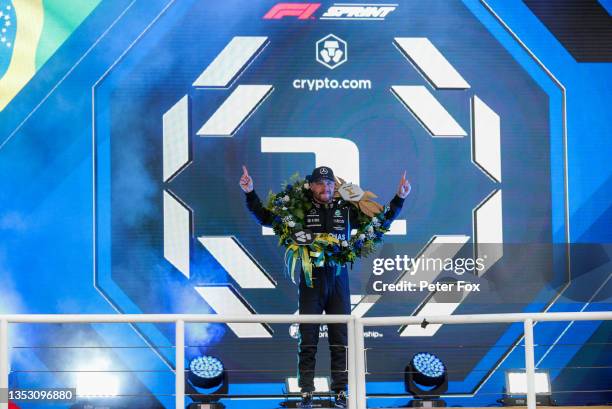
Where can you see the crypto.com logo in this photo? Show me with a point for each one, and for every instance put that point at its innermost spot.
(332, 51)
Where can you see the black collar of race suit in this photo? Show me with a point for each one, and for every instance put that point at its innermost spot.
(320, 205)
(334, 203)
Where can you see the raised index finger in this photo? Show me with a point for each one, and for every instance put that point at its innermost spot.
(245, 171)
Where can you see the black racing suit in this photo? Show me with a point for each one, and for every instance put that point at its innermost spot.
(330, 292)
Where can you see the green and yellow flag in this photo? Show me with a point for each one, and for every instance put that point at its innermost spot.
(30, 32)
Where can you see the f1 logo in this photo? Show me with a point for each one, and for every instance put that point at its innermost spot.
(302, 11)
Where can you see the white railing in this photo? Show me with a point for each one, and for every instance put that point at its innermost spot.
(179, 320)
(355, 326)
(527, 319)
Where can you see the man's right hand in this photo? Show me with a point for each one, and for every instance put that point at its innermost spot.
(246, 182)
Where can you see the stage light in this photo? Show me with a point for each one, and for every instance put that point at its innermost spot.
(516, 388)
(205, 374)
(96, 384)
(426, 379)
(322, 391)
(429, 369)
(321, 385)
(91, 383)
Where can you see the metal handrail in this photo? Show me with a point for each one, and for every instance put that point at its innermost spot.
(179, 320)
(526, 318)
(356, 346)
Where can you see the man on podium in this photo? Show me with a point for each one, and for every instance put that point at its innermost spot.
(329, 290)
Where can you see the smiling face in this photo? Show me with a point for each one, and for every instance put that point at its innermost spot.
(323, 190)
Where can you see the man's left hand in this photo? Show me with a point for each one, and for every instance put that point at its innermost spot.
(404, 187)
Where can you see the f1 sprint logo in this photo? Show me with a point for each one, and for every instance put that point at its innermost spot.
(302, 11)
(338, 11)
(358, 11)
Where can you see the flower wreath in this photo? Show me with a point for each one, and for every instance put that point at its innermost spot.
(291, 205)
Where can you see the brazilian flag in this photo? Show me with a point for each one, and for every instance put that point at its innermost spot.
(30, 32)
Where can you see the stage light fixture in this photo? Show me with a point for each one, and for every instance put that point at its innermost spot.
(205, 374)
(322, 393)
(426, 379)
(321, 385)
(516, 388)
(94, 379)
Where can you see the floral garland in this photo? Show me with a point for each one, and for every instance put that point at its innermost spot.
(291, 205)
